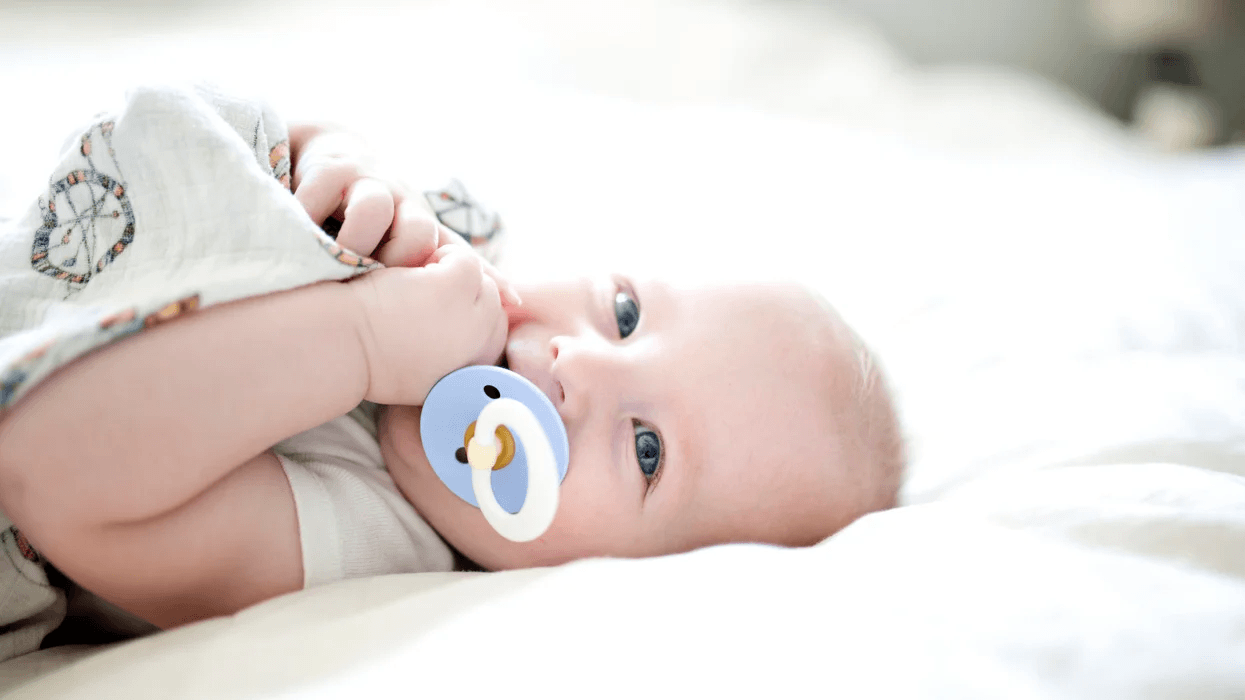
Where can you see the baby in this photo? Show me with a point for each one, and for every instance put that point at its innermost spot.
(250, 449)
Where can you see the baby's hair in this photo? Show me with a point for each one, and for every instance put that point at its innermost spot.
(872, 455)
(867, 467)
(879, 436)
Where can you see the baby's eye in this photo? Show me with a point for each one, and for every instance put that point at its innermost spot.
(627, 312)
(647, 450)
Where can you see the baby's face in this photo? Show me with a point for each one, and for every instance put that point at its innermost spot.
(696, 416)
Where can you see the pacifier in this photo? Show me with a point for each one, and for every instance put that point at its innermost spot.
(499, 444)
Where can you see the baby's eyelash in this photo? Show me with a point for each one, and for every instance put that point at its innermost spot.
(626, 311)
(650, 455)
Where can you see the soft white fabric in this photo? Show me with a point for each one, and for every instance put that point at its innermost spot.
(155, 208)
(352, 519)
(30, 606)
(1119, 581)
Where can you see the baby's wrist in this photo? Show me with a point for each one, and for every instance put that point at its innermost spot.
(362, 297)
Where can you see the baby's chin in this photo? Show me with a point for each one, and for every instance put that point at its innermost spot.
(403, 452)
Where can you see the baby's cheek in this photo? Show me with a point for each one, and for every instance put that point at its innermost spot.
(595, 518)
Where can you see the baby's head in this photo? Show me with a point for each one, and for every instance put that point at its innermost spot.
(696, 416)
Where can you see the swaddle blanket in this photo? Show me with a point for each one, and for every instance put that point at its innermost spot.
(176, 201)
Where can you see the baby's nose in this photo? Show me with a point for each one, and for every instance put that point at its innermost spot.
(584, 372)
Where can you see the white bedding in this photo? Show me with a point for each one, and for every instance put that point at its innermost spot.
(1062, 315)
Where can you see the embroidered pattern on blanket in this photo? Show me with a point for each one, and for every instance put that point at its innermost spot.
(279, 161)
(125, 320)
(22, 557)
(160, 231)
(458, 211)
(346, 257)
(87, 217)
(23, 545)
(20, 372)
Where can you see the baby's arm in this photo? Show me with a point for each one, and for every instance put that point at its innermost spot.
(163, 499)
(142, 470)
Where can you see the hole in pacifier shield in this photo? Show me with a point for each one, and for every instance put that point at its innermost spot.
(455, 402)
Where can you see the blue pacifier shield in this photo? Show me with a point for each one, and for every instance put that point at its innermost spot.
(456, 401)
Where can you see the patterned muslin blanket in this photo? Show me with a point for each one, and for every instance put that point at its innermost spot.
(178, 200)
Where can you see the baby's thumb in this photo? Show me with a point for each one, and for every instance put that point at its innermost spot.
(509, 295)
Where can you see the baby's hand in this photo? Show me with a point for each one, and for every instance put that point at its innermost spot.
(335, 176)
(420, 324)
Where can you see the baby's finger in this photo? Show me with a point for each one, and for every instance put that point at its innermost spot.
(322, 189)
(413, 239)
(440, 253)
(367, 215)
(460, 265)
(509, 295)
(495, 323)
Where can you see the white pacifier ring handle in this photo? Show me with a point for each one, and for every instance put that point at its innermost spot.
(541, 501)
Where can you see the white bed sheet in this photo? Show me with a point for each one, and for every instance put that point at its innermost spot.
(1062, 315)
(1062, 584)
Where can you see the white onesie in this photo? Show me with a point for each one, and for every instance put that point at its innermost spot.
(352, 519)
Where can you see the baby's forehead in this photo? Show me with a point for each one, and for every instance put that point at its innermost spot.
(780, 337)
(765, 399)
(765, 414)
(772, 313)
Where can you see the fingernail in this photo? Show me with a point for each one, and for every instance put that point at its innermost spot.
(514, 295)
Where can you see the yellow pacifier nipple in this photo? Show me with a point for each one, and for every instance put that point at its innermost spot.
(482, 455)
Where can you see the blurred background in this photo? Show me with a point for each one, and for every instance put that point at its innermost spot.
(1173, 71)
(998, 194)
